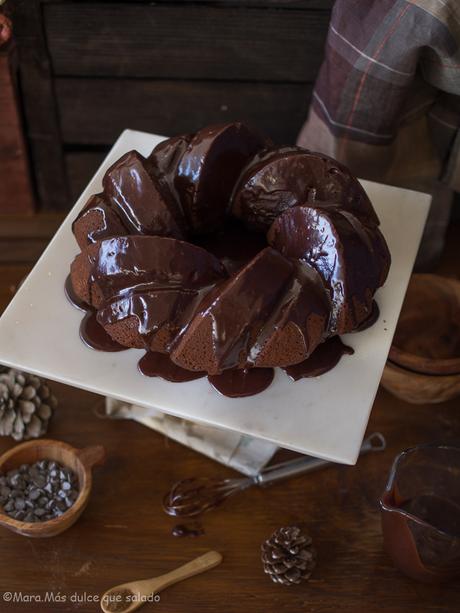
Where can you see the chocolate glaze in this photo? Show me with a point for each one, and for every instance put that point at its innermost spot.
(336, 244)
(298, 323)
(285, 177)
(143, 204)
(323, 359)
(370, 321)
(154, 364)
(208, 169)
(119, 266)
(164, 161)
(239, 383)
(72, 296)
(94, 335)
(193, 531)
(97, 220)
(158, 318)
(231, 317)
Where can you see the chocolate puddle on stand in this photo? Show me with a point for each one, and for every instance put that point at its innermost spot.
(238, 383)
(323, 359)
(155, 364)
(72, 297)
(370, 321)
(91, 332)
(94, 335)
(234, 383)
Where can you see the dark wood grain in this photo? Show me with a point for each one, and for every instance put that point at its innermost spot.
(23, 239)
(193, 42)
(169, 107)
(125, 535)
(285, 4)
(39, 105)
(81, 166)
(16, 190)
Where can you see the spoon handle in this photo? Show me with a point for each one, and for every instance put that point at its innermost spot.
(196, 566)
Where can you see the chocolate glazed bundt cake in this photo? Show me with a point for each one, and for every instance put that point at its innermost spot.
(222, 255)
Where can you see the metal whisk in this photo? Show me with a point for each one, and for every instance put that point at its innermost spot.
(191, 497)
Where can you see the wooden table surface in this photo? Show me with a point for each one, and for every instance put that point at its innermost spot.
(124, 534)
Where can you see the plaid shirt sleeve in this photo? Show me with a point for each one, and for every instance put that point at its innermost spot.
(387, 98)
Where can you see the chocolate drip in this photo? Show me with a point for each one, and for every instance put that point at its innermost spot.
(323, 359)
(154, 364)
(193, 531)
(370, 321)
(72, 296)
(238, 383)
(118, 266)
(94, 335)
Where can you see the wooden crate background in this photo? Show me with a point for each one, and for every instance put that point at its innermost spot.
(15, 187)
(90, 69)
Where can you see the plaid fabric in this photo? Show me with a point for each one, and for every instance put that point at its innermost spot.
(387, 98)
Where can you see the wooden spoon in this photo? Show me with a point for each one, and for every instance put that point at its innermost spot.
(130, 596)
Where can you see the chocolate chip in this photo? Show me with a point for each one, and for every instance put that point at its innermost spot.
(5, 491)
(39, 481)
(38, 492)
(19, 504)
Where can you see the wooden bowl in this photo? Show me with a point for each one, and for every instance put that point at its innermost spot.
(80, 461)
(427, 338)
(418, 388)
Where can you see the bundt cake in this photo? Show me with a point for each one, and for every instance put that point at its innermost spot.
(222, 255)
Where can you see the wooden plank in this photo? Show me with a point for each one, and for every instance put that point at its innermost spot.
(23, 251)
(196, 42)
(39, 105)
(285, 4)
(108, 106)
(23, 239)
(81, 166)
(16, 191)
(10, 276)
(39, 226)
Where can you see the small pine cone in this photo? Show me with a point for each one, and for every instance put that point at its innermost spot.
(26, 405)
(288, 556)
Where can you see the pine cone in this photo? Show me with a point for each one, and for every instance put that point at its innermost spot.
(26, 405)
(288, 556)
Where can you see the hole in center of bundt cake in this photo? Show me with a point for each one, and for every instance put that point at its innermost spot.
(233, 244)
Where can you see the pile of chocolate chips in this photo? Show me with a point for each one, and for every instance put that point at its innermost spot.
(38, 492)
